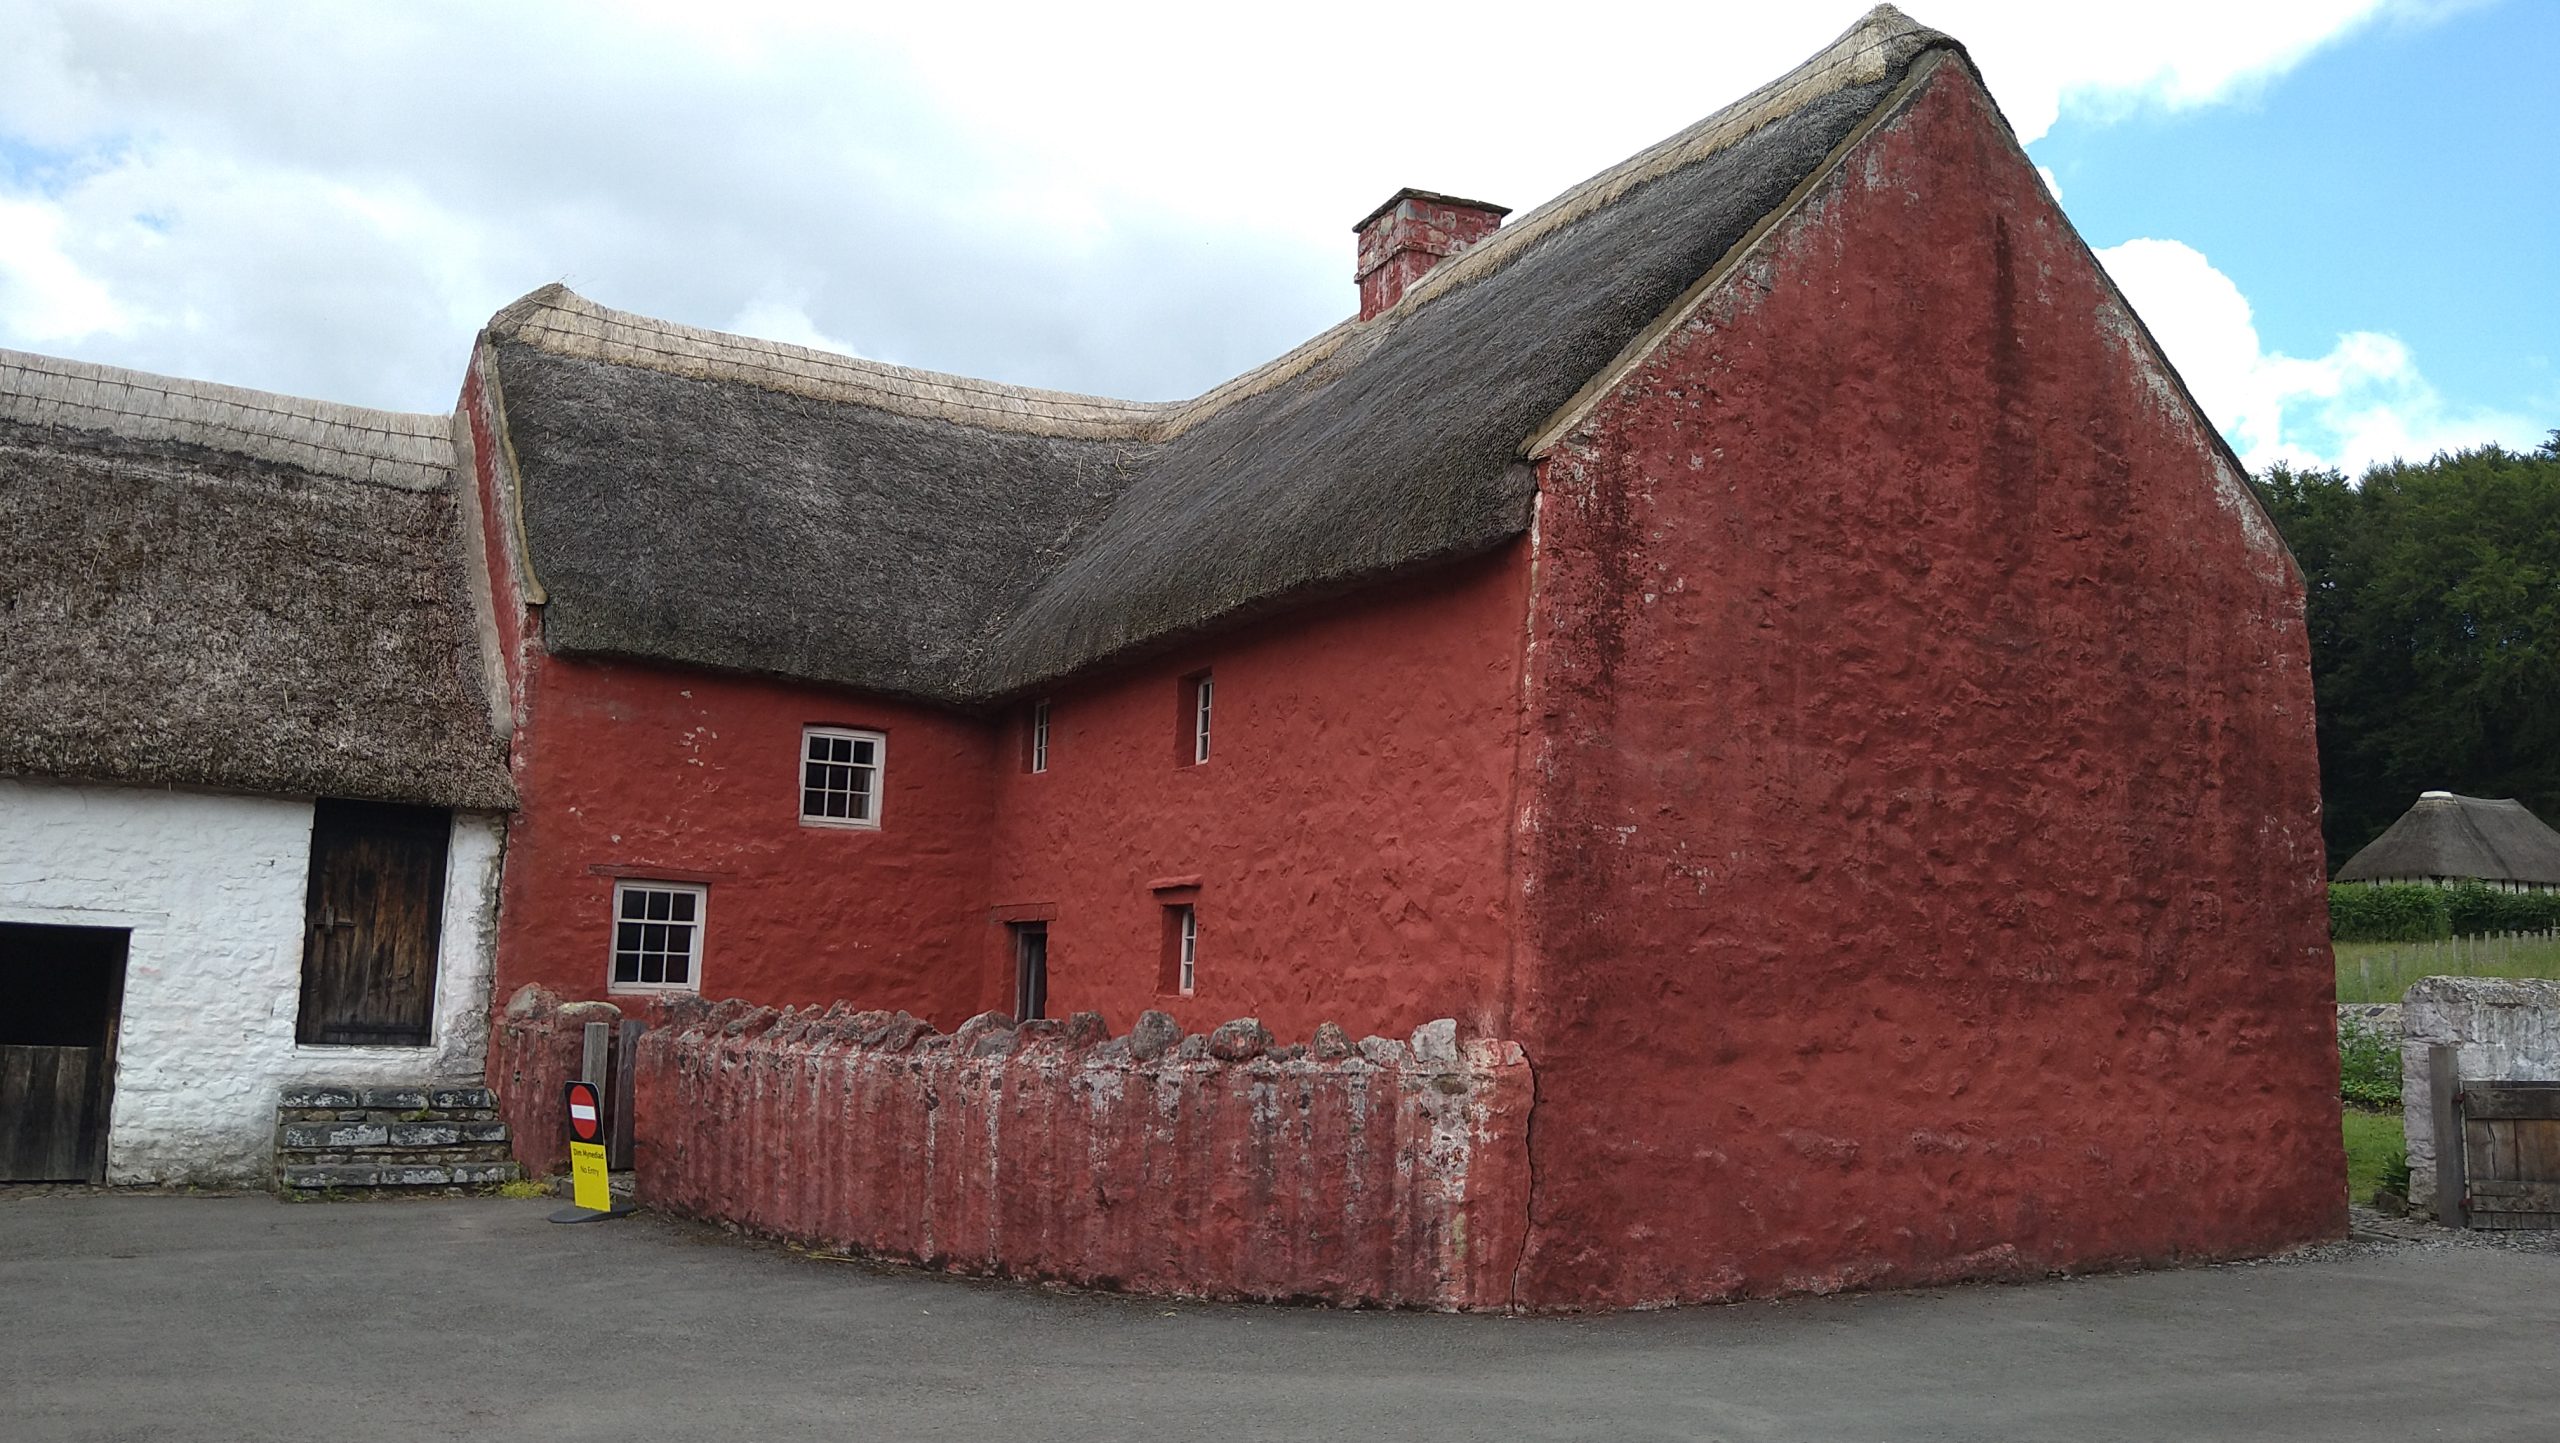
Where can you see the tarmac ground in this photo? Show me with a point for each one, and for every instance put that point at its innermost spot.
(148, 1316)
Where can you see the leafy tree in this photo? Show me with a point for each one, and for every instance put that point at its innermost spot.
(2434, 613)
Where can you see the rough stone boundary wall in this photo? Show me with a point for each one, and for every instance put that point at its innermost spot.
(535, 1048)
(2381, 1017)
(2505, 1028)
(1219, 1165)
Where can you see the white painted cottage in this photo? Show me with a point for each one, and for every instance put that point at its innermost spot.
(252, 782)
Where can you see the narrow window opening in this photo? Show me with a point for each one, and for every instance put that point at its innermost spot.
(1039, 736)
(1181, 973)
(1190, 949)
(840, 771)
(1197, 693)
(657, 937)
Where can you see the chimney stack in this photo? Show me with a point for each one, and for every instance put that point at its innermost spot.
(1415, 230)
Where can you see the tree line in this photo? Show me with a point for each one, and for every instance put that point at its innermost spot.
(2434, 611)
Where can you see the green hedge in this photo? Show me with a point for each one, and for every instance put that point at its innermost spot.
(2415, 912)
(2475, 909)
(2389, 912)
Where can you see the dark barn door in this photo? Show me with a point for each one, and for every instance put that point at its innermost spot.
(61, 993)
(371, 923)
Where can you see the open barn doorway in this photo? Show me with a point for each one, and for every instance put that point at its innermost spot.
(61, 993)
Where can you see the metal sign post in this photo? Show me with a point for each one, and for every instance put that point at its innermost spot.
(591, 1190)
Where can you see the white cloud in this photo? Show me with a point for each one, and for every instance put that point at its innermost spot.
(45, 297)
(2044, 58)
(2364, 401)
(1140, 200)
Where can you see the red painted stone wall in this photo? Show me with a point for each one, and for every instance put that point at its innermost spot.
(1207, 1166)
(537, 1046)
(628, 770)
(1923, 843)
(1349, 832)
(634, 770)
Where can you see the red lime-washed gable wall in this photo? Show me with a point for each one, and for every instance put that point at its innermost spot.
(1922, 817)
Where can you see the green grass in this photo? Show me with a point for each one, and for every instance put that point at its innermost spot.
(2381, 971)
(2374, 1146)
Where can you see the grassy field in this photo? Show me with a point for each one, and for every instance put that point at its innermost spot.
(2373, 1146)
(2381, 971)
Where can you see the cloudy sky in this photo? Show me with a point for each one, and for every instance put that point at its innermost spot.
(2338, 215)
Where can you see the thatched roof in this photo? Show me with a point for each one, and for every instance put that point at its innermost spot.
(2445, 836)
(708, 499)
(209, 587)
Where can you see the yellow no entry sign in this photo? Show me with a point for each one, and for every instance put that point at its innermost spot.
(591, 1187)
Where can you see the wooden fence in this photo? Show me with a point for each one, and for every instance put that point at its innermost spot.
(2505, 1172)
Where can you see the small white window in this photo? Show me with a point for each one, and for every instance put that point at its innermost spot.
(1200, 718)
(657, 937)
(1190, 943)
(840, 776)
(1039, 736)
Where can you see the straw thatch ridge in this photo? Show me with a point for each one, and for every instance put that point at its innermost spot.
(558, 320)
(2452, 838)
(393, 448)
(207, 587)
(719, 501)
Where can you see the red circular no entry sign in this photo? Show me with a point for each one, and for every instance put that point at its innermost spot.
(586, 1113)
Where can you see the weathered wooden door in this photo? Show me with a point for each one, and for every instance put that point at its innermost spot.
(1030, 970)
(2511, 1153)
(372, 922)
(61, 995)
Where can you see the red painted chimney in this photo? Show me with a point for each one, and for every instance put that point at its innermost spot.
(1415, 230)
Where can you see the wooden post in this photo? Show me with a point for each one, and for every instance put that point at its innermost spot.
(598, 1054)
(626, 1054)
(2442, 1081)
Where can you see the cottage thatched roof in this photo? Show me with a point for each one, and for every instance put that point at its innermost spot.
(210, 587)
(2450, 837)
(708, 499)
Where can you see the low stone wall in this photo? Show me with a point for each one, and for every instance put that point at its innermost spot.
(1221, 1165)
(535, 1049)
(2504, 1028)
(2376, 1017)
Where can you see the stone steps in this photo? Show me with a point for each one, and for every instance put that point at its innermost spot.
(349, 1177)
(334, 1138)
(339, 1136)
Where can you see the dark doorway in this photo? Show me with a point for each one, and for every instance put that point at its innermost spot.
(373, 917)
(61, 993)
(1030, 970)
